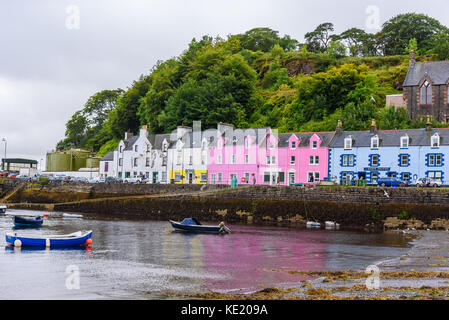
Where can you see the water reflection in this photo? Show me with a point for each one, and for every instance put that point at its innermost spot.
(130, 258)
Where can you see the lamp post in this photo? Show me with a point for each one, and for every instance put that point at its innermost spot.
(4, 159)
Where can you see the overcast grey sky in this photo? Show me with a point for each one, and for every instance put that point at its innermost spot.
(49, 68)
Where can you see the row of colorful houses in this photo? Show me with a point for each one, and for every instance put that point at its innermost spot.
(263, 156)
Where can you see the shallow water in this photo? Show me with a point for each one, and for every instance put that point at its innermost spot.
(144, 259)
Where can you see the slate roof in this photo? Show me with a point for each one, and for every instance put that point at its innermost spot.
(304, 138)
(108, 157)
(437, 71)
(391, 138)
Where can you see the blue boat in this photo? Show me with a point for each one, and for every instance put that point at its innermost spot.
(33, 222)
(193, 225)
(80, 238)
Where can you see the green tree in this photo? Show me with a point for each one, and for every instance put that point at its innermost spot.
(318, 40)
(441, 45)
(397, 32)
(263, 39)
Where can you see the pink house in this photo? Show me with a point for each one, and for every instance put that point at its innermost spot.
(263, 157)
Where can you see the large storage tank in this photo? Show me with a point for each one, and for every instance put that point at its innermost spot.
(78, 161)
(58, 161)
(93, 163)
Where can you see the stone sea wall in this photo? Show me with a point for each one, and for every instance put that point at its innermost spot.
(360, 207)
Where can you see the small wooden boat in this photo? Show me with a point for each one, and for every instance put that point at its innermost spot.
(2, 208)
(79, 238)
(193, 225)
(332, 225)
(28, 222)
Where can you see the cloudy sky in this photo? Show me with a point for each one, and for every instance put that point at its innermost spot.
(55, 54)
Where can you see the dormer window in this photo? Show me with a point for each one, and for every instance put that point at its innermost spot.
(375, 142)
(293, 144)
(425, 93)
(314, 144)
(271, 144)
(220, 144)
(404, 142)
(247, 143)
(435, 141)
(135, 148)
(348, 142)
(121, 149)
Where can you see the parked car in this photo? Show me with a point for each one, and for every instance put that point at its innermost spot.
(428, 182)
(392, 182)
(79, 179)
(96, 180)
(133, 180)
(23, 177)
(112, 179)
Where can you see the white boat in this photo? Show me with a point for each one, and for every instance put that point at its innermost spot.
(332, 225)
(2, 208)
(312, 224)
(69, 215)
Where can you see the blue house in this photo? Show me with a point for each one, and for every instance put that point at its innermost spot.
(407, 154)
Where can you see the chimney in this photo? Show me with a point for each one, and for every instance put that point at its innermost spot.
(428, 124)
(339, 128)
(143, 131)
(412, 58)
(373, 127)
(128, 134)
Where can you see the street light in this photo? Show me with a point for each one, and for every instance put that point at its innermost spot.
(4, 159)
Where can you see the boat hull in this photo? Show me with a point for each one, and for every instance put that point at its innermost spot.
(27, 222)
(198, 228)
(50, 241)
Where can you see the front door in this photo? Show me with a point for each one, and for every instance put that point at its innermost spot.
(291, 178)
(155, 174)
(190, 177)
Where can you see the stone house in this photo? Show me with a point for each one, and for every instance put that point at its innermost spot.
(426, 89)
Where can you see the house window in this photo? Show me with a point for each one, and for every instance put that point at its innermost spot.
(281, 177)
(177, 176)
(203, 177)
(247, 143)
(219, 159)
(314, 144)
(435, 140)
(348, 143)
(220, 176)
(425, 93)
(247, 158)
(314, 160)
(435, 175)
(106, 166)
(292, 160)
(220, 144)
(347, 160)
(121, 149)
(233, 159)
(273, 160)
(178, 158)
(135, 148)
(404, 142)
(375, 142)
(203, 158)
(271, 144)
(268, 160)
(374, 177)
(120, 162)
(164, 161)
(293, 145)
(313, 177)
(404, 160)
(164, 176)
(406, 176)
(435, 160)
(190, 160)
(374, 160)
(135, 162)
(266, 177)
(147, 162)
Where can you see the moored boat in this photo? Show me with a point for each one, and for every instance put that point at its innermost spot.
(193, 225)
(79, 238)
(313, 224)
(28, 222)
(2, 208)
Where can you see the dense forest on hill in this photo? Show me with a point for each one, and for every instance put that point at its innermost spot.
(259, 78)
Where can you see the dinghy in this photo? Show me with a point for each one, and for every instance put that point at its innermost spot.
(35, 222)
(80, 238)
(332, 225)
(2, 208)
(312, 224)
(70, 215)
(193, 225)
